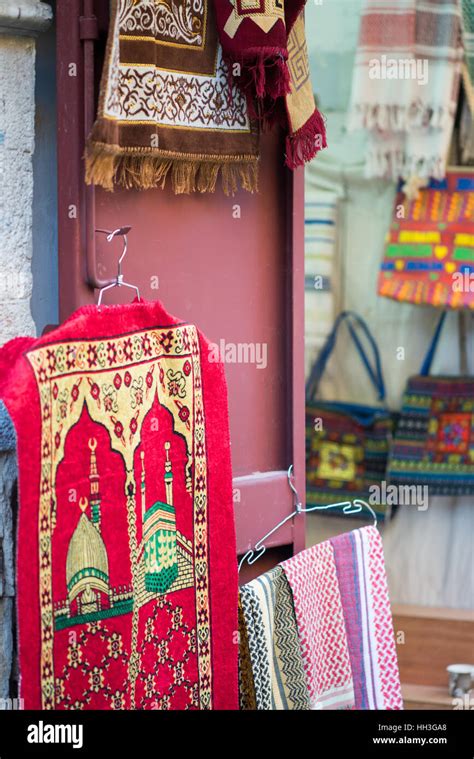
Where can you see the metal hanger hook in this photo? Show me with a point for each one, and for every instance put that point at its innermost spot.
(348, 507)
(291, 483)
(359, 504)
(252, 556)
(119, 280)
(119, 232)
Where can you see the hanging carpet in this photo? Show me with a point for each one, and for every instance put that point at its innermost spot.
(126, 572)
(264, 43)
(166, 108)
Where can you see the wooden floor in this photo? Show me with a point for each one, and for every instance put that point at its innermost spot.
(428, 640)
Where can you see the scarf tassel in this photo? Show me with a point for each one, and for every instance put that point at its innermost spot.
(144, 172)
(302, 145)
(269, 73)
(264, 77)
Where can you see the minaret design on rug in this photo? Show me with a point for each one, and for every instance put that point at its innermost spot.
(94, 487)
(87, 565)
(159, 535)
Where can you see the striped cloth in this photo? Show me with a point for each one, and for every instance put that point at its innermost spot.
(320, 249)
(344, 622)
(466, 136)
(468, 34)
(405, 85)
(247, 696)
(268, 630)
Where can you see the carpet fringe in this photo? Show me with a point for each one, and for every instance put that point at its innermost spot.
(302, 145)
(108, 169)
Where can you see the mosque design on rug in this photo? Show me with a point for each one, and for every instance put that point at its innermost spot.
(165, 556)
(124, 589)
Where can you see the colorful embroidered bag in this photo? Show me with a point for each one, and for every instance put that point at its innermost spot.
(429, 254)
(434, 440)
(346, 443)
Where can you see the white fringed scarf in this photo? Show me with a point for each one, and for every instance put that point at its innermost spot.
(405, 85)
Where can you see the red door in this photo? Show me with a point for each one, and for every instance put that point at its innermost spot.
(233, 266)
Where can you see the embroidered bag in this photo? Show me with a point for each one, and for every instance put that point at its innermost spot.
(346, 443)
(434, 441)
(429, 253)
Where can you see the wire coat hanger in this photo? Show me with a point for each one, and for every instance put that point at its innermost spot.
(119, 281)
(348, 508)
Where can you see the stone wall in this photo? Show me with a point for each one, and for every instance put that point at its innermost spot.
(20, 22)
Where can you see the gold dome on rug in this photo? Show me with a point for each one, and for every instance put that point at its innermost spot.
(87, 564)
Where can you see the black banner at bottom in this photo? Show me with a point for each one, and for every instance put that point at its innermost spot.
(104, 734)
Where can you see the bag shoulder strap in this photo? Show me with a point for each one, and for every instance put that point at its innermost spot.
(374, 370)
(428, 360)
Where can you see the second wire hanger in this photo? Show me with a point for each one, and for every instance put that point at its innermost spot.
(119, 280)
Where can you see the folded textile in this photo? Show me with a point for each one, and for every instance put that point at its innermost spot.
(8, 475)
(406, 83)
(304, 125)
(247, 697)
(344, 623)
(126, 573)
(7, 430)
(265, 43)
(166, 107)
(467, 116)
(466, 125)
(254, 35)
(268, 630)
(468, 35)
(321, 222)
(6, 646)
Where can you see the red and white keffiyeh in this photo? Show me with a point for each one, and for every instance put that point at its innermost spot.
(345, 624)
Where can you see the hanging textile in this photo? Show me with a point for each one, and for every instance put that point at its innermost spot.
(344, 622)
(466, 122)
(468, 35)
(266, 40)
(247, 695)
(429, 252)
(268, 628)
(166, 107)
(466, 129)
(126, 574)
(8, 475)
(254, 36)
(321, 224)
(405, 85)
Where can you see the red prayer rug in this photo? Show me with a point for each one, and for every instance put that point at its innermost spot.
(127, 571)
